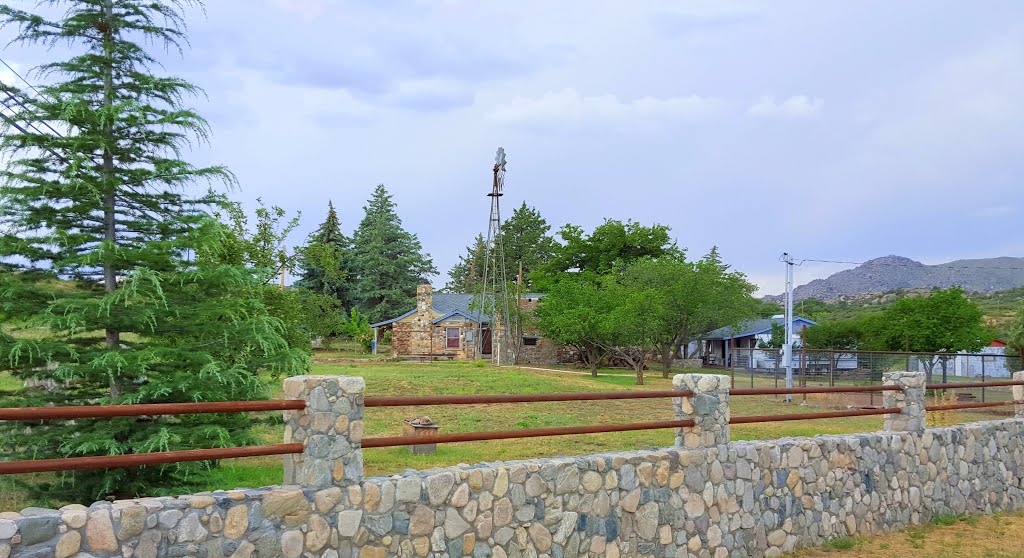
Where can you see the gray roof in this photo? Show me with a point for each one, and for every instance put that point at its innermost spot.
(751, 327)
(448, 304)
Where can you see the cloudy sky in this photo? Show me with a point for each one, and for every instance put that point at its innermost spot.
(831, 130)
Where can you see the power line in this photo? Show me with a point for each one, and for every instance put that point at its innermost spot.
(15, 72)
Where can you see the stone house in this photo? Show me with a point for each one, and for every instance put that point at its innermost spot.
(443, 325)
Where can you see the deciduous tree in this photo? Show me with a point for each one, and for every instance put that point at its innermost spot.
(576, 313)
(944, 322)
(611, 244)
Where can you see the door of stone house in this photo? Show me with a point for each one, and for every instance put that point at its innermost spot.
(485, 342)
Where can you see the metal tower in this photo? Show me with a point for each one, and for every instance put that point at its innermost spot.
(494, 300)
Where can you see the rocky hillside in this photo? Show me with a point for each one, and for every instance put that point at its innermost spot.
(890, 273)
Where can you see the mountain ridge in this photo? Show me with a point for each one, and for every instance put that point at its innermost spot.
(892, 272)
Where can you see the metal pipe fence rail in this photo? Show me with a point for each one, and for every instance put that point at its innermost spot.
(32, 414)
(750, 365)
(417, 400)
(394, 441)
(156, 458)
(958, 406)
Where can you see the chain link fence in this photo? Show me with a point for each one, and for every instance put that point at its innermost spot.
(762, 367)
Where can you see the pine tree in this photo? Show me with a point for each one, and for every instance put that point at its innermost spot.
(465, 276)
(388, 261)
(99, 232)
(325, 261)
(526, 242)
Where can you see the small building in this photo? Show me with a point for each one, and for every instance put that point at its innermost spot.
(444, 325)
(990, 362)
(718, 345)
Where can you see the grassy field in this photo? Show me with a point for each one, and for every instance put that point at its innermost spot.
(991, 536)
(391, 378)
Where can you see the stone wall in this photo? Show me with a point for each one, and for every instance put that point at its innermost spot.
(688, 363)
(707, 498)
(544, 352)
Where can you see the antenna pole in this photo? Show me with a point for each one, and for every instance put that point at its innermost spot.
(787, 345)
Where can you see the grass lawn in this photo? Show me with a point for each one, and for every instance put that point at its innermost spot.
(989, 536)
(350, 350)
(403, 378)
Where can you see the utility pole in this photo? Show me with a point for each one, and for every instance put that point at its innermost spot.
(787, 346)
(284, 257)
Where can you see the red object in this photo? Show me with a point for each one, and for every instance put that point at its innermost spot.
(137, 459)
(784, 391)
(971, 405)
(147, 409)
(525, 433)
(966, 385)
(807, 416)
(997, 343)
(413, 400)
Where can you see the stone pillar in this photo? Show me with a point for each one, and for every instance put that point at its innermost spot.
(910, 398)
(708, 407)
(331, 427)
(1018, 393)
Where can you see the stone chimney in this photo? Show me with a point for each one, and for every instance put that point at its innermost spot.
(424, 299)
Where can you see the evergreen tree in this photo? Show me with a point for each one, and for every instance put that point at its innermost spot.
(526, 242)
(465, 276)
(388, 261)
(325, 261)
(99, 229)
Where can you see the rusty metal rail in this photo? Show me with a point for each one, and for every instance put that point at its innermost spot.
(390, 441)
(958, 406)
(968, 385)
(148, 409)
(138, 459)
(809, 416)
(823, 389)
(416, 400)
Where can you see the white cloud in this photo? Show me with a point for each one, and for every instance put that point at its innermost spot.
(797, 106)
(570, 107)
(7, 77)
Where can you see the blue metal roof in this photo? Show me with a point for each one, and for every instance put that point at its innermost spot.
(393, 320)
(448, 304)
(751, 327)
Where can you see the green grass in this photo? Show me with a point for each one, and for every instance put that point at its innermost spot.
(350, 350)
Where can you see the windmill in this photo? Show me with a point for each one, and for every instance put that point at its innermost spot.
(494, 301)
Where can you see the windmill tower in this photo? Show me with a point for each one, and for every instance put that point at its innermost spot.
(494, 301)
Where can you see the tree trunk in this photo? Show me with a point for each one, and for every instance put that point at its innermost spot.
(666, 361)
(113, 336)
(592, 357)
(639, 367)
(942, 362)
(928, 367)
